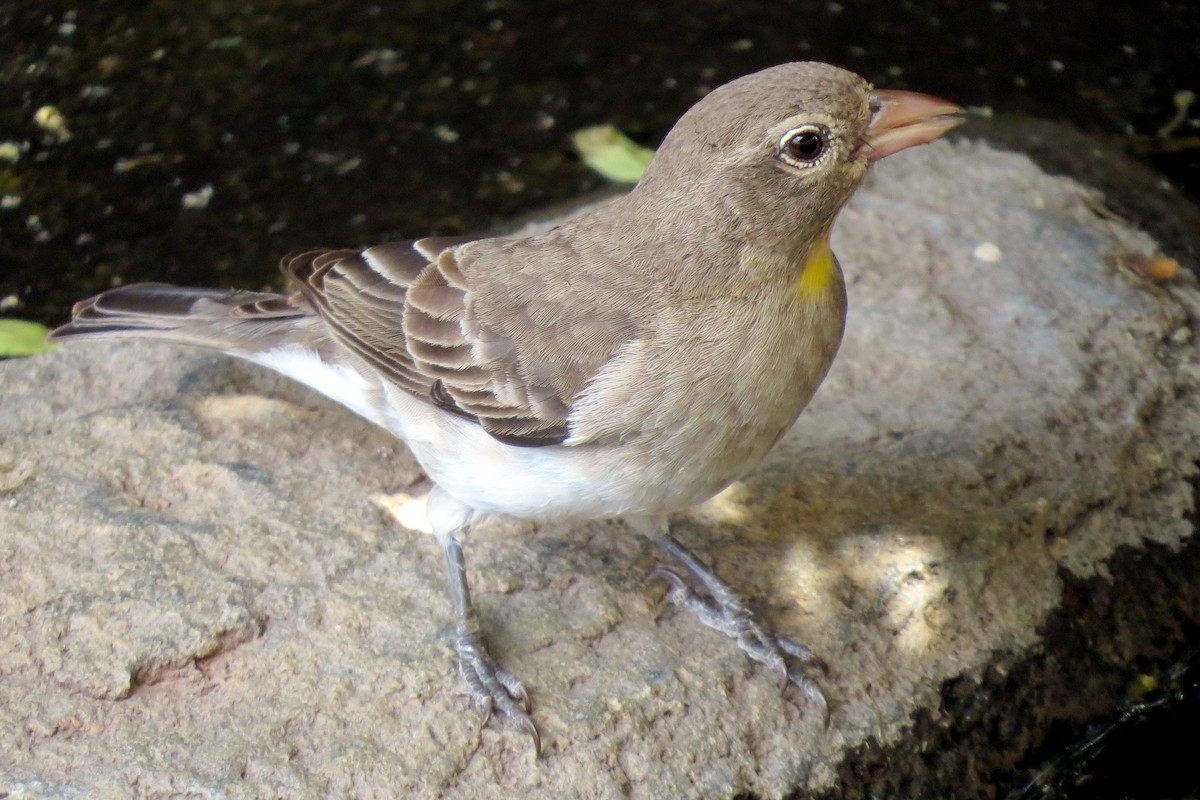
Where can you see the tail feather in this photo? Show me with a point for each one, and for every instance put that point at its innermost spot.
(236, 321)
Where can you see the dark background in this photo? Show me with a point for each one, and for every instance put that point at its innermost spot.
(342, 123)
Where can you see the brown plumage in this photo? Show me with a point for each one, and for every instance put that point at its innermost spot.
(630, 362)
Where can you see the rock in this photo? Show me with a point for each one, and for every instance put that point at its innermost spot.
(204, 587)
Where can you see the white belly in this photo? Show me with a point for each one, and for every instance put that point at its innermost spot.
(554, 482)
(535, 483)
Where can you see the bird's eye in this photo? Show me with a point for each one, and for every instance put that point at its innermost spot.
(804, 146)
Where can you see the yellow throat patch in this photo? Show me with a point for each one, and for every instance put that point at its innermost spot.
(817, 274)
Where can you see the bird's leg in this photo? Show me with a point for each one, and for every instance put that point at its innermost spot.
(493, 690)
(724, 611)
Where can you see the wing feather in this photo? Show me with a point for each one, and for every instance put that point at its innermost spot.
(404, 308)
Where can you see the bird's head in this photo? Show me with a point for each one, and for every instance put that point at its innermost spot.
(779, 152)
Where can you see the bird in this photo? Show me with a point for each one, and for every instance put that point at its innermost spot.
(629, 363)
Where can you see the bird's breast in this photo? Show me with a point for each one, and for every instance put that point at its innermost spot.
(740, 390)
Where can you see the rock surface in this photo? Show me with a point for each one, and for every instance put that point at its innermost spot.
(206, 588)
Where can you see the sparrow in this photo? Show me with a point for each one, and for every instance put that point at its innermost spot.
(631, 362)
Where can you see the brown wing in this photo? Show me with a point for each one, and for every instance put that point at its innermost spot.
(405, 309)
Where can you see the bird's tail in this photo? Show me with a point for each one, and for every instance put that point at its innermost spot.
(237, 322)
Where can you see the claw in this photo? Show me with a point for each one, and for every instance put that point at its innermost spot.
(486, 707)
(784, 677)
(723, 611)
(672, 577)
(815, 696)
(529, 727)
(514, 687)
(496, 693)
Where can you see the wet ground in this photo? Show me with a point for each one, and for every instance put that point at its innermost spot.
(197, 142)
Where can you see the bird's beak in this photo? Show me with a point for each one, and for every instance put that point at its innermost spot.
(906, 119)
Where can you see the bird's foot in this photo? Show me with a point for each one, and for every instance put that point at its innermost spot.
(726, 613)
(495, 692)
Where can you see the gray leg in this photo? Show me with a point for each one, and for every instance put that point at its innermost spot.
(724, 611)
(493, 690)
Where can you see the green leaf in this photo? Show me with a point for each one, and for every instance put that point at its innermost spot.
(611, 153)
(19, 338)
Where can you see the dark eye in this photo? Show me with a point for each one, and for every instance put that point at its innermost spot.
(804, 145)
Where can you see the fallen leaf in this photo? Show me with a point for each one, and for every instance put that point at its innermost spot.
(19, 338)
(611, 153)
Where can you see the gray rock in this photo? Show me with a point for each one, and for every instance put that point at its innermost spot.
(205, 588)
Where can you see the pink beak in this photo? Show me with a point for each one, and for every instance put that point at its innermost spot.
(907, 119)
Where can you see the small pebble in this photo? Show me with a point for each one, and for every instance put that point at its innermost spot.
(198, 198)
(988, 253)
(445, 133)
(51, 120)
